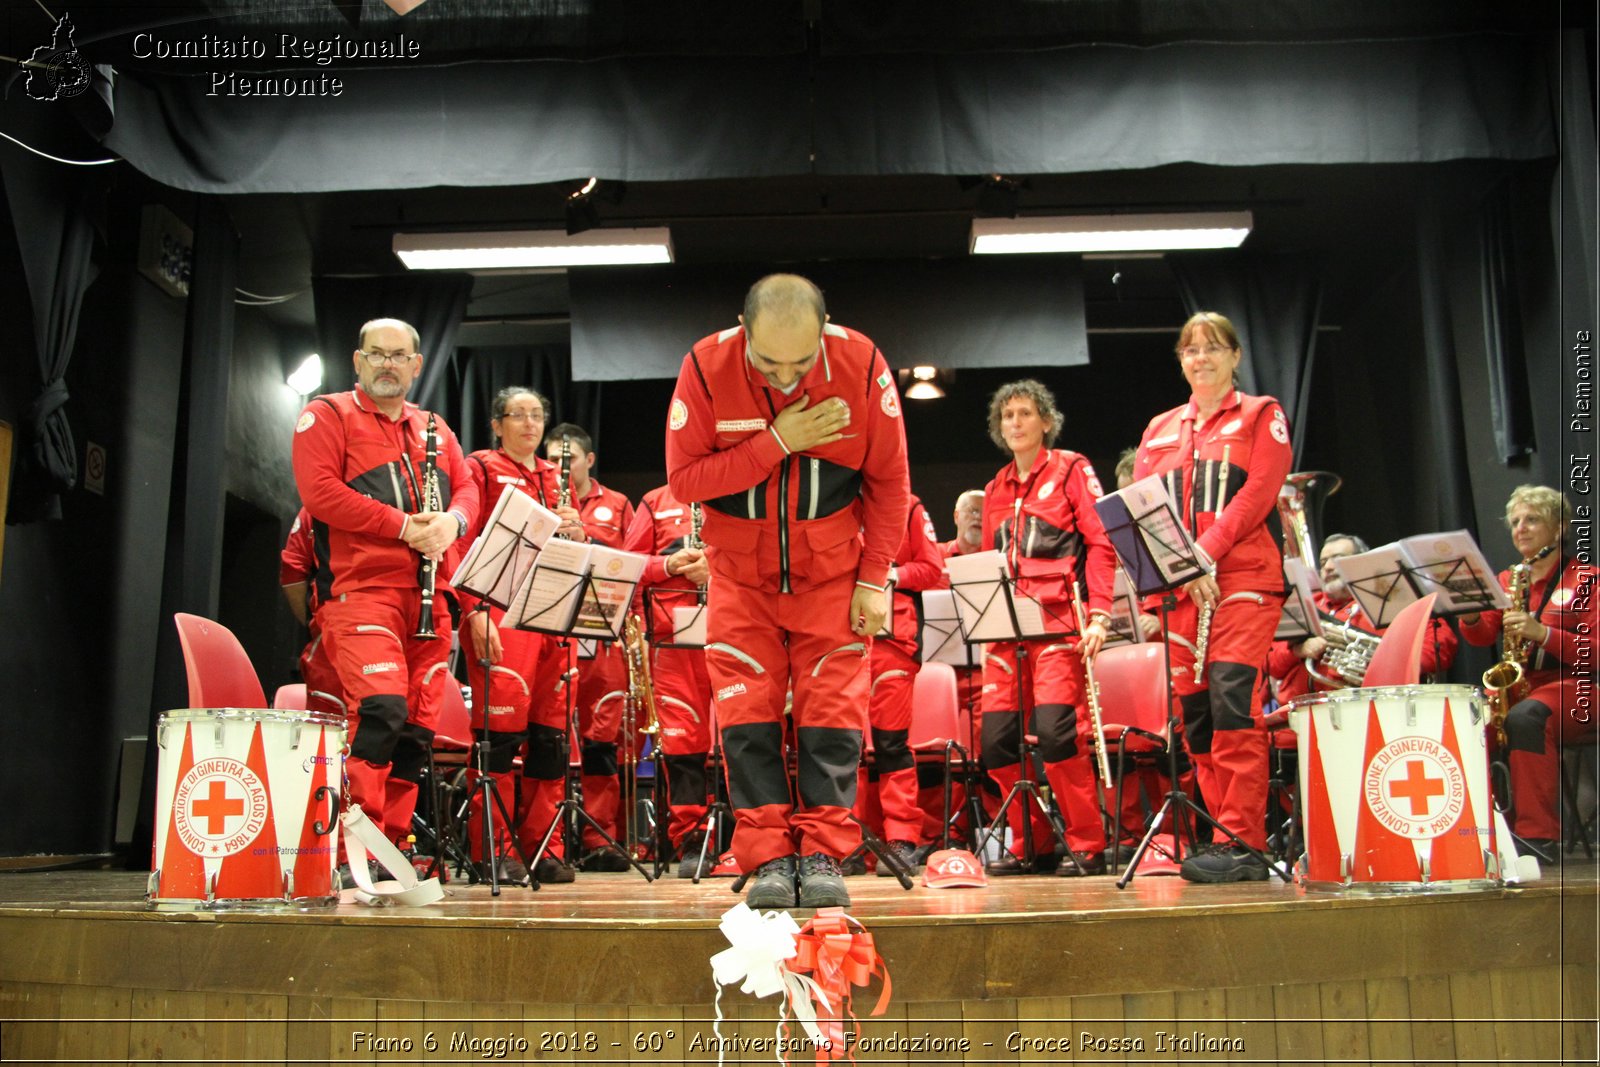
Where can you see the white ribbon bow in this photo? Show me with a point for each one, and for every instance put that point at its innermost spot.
(761, 942)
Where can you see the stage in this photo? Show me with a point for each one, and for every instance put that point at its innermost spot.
(609, 969)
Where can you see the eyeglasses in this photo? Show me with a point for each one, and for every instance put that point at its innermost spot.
(378, 359)
(1212, 350)
(522, 416)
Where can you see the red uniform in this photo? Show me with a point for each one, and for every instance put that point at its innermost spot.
(602, 681)
(661, 526)
(1046, 525)
(526, 699)
(894, 662)
(1224, 475)
(359, 473)
(1560, 707)
(789, 537)
(298, 563)
(1289, 670)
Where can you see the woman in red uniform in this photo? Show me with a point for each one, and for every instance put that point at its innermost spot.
(1556, 624)
(1224, 456)
(1039, 511)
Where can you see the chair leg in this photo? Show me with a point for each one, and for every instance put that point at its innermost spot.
(1580, 827)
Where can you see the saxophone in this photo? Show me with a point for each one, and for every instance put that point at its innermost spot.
(428, 572)
(1506, 682)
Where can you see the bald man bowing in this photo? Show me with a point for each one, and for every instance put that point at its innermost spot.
(787, 429)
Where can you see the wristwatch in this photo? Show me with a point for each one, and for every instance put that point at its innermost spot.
(462, 523)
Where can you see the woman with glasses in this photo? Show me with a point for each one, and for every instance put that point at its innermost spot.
(1223, 456)
(526, 669)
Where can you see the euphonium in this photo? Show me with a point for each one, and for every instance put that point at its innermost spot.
(1506, 682)
(432, 500)
(1348, 655)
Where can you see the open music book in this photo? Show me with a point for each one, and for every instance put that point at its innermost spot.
(499, 560)
(1391, 576)
(1124, 612)
(613, 576)
(985, 600)
(1152, 544)
(1299, 619)
(548, 598)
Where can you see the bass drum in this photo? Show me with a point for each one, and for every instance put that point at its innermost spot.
(1394, 790)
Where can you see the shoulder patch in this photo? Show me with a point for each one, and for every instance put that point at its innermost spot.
(883, 380)
(307, 420)
(1279, 428)
(677, 415)
(1092, 480)
(891, 407)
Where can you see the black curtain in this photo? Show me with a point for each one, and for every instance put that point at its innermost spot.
(1274, 302)
(1511, 409)
(483, 372)
(432, 302)
(1449, 483)
(56, 211)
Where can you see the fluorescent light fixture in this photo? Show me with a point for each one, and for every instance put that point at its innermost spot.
(1110, 233)
(307, 378)
(513, 249)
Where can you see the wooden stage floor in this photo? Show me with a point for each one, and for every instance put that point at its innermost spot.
(614, 969)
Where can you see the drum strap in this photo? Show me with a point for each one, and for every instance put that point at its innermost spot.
(362, 838)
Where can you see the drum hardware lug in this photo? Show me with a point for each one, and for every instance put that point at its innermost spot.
(1422, 862)
(1333, 715)
(1411, 713)
(211, 887)
(152, 885)
(1491, 863)
(294, 735)
(1346, 865)
(161, 733)
(218, 731)
(288, 885)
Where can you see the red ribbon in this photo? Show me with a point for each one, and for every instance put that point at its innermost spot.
(838, 953)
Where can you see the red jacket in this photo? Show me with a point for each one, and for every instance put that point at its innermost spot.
(917, 566)
(1048, 529)
(606, 515)
(1563, 600)
(298, 560)
(359, 473)
(1249, 437)
(661, 526)
(786, 522)
(1438, 649)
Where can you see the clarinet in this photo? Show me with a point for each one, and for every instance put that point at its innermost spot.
(428, 572)
(697, 518)
(564, 475)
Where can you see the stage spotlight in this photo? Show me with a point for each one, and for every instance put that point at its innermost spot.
(307, 378)
(581, 213)
(998, 196)
(924, 384)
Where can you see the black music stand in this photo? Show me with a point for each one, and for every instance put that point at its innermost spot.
(718, 813)
(564, 599)
(494, 568)
(1159, 556)
(942, 642)
(986, 611)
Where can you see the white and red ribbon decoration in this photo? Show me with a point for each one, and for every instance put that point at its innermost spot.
(839, 953)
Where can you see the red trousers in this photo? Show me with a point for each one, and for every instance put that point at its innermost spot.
(683, 708)
(762, 646)
(894, 675)
(1536, 728)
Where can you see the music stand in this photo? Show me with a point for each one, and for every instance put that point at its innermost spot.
(1388, 578)
(1159, 557)
(942, 643)
(990, 609)
(563, 597)
(494, 567)
(689, 635)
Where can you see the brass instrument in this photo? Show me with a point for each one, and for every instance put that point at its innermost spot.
(428, 571)
(1350, 650)
(564, 475)
(1300, 510)
(1506, 683)
(641, 694)
(1091, 689)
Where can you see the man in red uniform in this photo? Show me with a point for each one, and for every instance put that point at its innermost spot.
(526, 700)
(305, 587)
(1224, 456)
(894, 662)
(1338, 607)
(787, 428)
(667, 530)
(969, 526)
(602, 681)
(359, 465)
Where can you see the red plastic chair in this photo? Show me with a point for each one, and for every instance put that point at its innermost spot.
(1133, 712)
(1398, 657)
(939, 734)
(291, 697)
(220, 673)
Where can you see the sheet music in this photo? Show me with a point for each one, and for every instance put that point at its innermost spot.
(1124, 612)
(1378, 581)
(549, 596)
(689, 625)
(941, 630)
(1453, 565)
(498, 561)
(887, 629)
(981, 604)
(1143, 525)
(613, 576)
(1299, 618)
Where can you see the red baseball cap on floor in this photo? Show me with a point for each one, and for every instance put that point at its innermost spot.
(952, 868)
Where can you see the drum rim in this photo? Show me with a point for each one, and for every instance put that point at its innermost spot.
(303, 716)
(1375, 692)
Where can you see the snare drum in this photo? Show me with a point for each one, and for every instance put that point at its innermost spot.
(246, 805)
(1394, 789)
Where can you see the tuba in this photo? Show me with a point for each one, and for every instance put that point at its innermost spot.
(1300, 510)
